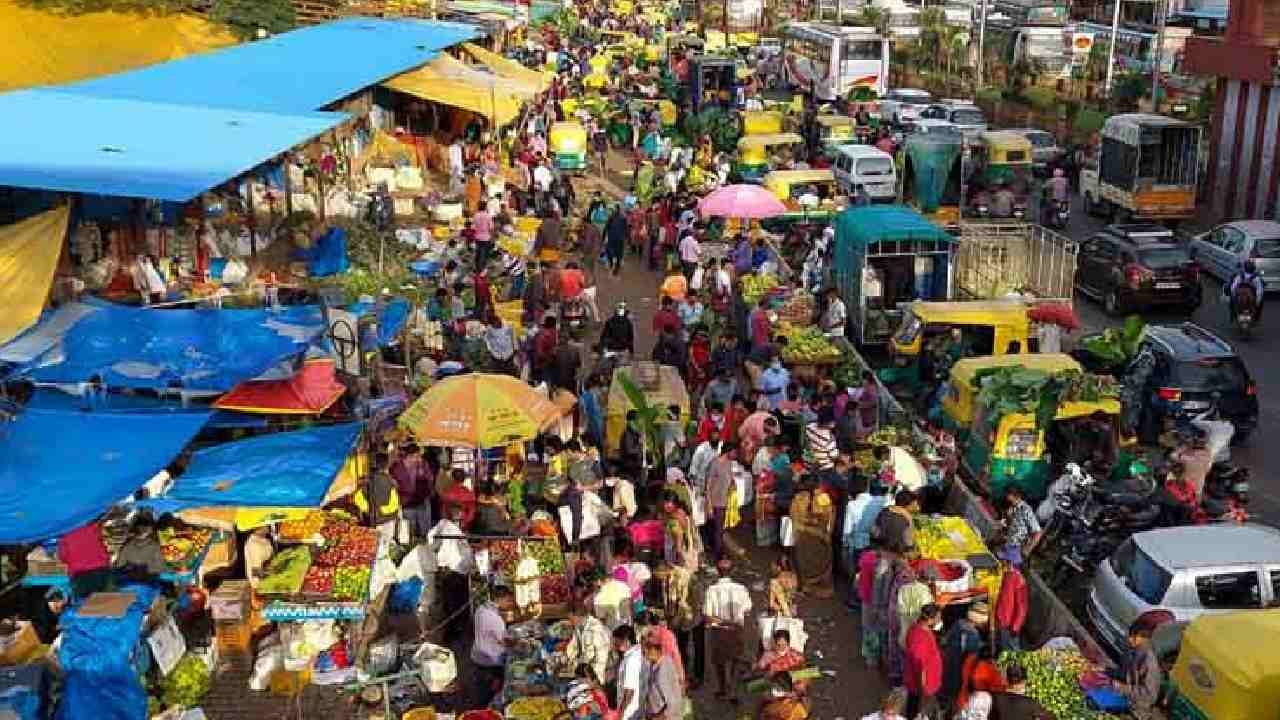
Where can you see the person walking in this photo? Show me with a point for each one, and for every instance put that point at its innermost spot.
(615, 233)
(922, 667)
(719, 481)
(726, 608)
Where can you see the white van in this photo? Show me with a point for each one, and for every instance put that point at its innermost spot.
(867, 166)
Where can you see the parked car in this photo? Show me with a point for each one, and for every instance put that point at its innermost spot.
(1132, 267)
(962, 114)
(1044, 147)
(1177, 574)
(902, 104)
(1222, 251)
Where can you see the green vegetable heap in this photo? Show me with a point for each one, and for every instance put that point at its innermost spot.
(187, 684)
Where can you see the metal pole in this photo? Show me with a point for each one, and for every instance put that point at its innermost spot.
(1162, 11)
(1111, 54)
(982, 38)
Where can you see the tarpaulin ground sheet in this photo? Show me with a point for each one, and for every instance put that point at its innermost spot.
(287, 469)
(206, 350)
(61, 469)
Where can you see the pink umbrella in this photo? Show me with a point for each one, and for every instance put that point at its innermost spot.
(741, 201)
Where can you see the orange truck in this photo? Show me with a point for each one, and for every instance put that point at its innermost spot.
(1145, 168)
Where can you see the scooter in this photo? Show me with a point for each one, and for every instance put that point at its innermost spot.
(1245, 307)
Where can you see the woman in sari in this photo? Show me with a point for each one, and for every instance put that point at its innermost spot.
(813, 514)
(784, 701)
(682, 548)
(903, 576)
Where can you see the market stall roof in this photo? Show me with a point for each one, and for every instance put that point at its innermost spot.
(44, 495)
(878, 223)
(29, 253)
(286, 469)
(199, 351)
(297, 71)
(42, 47)
(63, 141)
(310, 391)
(448, 81)
(391, 315)
(506, 67)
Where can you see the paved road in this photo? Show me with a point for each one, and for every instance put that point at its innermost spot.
(1261, 354)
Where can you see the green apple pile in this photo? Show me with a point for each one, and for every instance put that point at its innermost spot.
(187, 684)
(1053, 680)
(350, 583)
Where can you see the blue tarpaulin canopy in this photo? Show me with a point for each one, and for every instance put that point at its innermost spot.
(287, 469)
(61, 469)
(141, 149)
(392, 317)
(292, 72)
(204, 350)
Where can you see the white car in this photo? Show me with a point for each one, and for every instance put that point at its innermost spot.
(964, 115)
(903, 104)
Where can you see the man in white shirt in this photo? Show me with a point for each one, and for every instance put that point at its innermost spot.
(456, 165)
(489, 649)
(591, 640)
(628, 674)
(726, 608)
(690, 254)
(833, 320)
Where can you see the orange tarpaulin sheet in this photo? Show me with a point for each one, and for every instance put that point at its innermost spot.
(29, 253)
(45, 48)
(310, 391)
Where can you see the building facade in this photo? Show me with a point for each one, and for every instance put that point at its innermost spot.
(1243, 174)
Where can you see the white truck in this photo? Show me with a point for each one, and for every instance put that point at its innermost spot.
(1146, 168)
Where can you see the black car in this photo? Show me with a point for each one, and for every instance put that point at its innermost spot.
(1137, 266)
(1183, 370)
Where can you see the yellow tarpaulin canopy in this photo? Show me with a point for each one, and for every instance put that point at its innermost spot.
(506, 67)
(44, 48)
(449, 81)
(29, 253)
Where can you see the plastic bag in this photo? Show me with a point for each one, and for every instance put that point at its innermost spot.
(787, 532)
(269, 660)
(405, 596)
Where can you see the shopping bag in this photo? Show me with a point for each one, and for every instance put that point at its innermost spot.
(787, 532)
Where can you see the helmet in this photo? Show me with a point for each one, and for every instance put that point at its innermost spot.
(1250, 266)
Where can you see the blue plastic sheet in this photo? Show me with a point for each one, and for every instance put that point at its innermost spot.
(204, 350)
(62, 468)
(328, 254)
(98, 657)
(392, 317)
(288, 469)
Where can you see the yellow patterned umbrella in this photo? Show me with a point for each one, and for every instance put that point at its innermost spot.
(478, 410)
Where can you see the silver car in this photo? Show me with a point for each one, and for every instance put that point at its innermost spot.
(1221, 252)
(1180, 573)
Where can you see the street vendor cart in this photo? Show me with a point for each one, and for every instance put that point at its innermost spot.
(885, 256)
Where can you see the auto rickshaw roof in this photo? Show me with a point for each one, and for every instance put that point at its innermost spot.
(964, 369)
(770, 139)
(1006, 139)
(970, 312)
(797, 177)
(1228, 665)
(834, 120)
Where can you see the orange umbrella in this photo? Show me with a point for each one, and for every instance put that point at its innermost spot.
(478, 410)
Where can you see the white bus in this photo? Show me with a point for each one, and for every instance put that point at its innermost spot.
(832, 61)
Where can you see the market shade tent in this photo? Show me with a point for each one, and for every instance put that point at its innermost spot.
(198, 351)
(859, 228)
(310, 391)
(479, 410)
(42, 47)
(298, 71)
(286, 470)
(1228, 666)
(741, 201)
(930, 159)
(506, 67)
(29, 253)
(61, 469)
(451, 82)
(56, 140)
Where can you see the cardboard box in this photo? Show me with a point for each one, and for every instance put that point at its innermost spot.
(234, 638)
(104, 604)
(17, 647)
(230, 601)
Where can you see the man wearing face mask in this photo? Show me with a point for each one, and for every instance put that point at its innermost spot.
(618, 335)
(922, 664)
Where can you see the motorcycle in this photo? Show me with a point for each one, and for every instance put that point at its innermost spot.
(1089, 522)
(1244, 309)
(1226, 493)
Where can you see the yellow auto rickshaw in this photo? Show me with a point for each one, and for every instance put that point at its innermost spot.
(567, 143)
(987, 327)
(958, 401)
(754, 152)
(1007, 448)
(761, 122)
(1227, 667)
(791, 187)
(835, 130)
(663, 389)
(1001, 158)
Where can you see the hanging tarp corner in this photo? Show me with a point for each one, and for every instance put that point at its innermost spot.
(29, 253)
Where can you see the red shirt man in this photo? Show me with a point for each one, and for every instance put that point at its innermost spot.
(666, 319)
(571, 282)
(1013, 601)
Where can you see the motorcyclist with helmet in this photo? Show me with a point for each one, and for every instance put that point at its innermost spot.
(1249, 276)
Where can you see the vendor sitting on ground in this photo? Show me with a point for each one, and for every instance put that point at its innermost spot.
(780, 657)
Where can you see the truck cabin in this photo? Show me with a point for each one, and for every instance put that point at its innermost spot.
(713, 79)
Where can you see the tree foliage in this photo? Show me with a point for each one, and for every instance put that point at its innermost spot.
(246, 17)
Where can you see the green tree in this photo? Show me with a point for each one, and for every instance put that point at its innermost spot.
(246, 17)
(873, 17)
(1127, 89)
(933, 27)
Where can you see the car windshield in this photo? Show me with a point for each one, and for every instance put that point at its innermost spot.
(1140, 573)
(1212, 375)
(875, 166)
(942, 129)
(1266, 248)
(913, 99)
(1163, 258)
(968, 117)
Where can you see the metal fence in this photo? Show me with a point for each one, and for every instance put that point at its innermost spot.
(996, 258)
